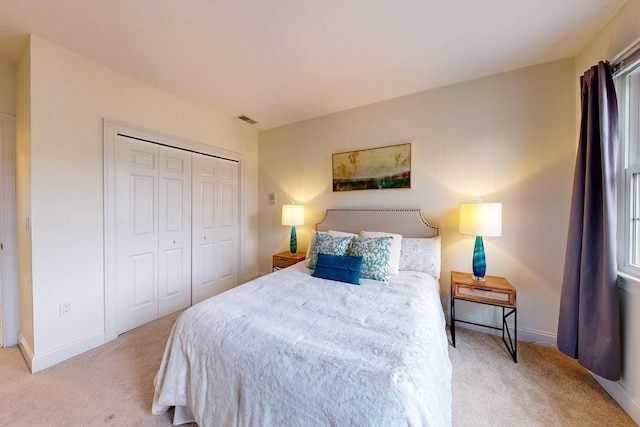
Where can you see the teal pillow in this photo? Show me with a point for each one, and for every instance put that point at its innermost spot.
(330, 245)
(376, 256)
(341, 268)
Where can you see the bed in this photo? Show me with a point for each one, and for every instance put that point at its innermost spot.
(290, 349)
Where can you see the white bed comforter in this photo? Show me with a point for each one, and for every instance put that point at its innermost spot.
(289, 349)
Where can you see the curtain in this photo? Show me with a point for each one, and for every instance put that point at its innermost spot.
(589, 321)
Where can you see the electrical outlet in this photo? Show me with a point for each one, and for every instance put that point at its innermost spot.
(65, 308)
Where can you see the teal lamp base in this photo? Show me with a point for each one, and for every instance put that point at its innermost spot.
(293, 241)
(479, 261)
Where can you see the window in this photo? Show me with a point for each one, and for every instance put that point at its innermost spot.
(627, 80)
(634, 181)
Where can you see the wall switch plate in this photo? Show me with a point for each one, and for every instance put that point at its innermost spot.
(65, 309)
(273, 199)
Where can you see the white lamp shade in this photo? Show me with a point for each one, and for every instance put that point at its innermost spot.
(293, 215)
(481, 219)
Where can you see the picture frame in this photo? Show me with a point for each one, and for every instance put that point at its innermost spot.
(372, 168)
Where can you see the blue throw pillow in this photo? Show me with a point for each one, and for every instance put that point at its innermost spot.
(340, 268)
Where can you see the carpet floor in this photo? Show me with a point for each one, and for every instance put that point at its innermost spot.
(113, 386)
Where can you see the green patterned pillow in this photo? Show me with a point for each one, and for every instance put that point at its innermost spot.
(328, 245)
(376, 256)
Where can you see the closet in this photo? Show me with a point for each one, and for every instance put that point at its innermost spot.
(176, 220)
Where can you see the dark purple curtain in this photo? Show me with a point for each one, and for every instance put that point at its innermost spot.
(589, 323)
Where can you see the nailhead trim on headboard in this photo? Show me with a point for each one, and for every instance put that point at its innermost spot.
(408, 222)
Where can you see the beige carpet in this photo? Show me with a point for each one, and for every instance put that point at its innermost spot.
(545, 387)
(112, 386)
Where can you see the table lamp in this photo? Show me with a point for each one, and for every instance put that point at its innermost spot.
(480, 219)
(293, 215)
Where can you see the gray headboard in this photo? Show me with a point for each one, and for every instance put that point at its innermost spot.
(407, 222)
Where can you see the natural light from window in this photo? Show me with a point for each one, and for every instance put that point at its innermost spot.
(628, 92)
(635, 220)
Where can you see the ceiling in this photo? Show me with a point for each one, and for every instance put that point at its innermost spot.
(280, 62)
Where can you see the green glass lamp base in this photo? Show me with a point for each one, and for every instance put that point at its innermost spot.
(479, 261)
(293, 241)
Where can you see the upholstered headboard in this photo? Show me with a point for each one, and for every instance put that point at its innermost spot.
(407, 222)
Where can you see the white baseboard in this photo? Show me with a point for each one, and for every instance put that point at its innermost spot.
(620, 395)
(39, 362)
(527, 335)
(25, 349)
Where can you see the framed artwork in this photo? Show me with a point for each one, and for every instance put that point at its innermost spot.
(373, 168)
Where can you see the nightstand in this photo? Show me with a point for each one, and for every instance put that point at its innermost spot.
(286, 259)
(495, 291)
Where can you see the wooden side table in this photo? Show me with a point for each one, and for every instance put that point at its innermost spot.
(286, 259)
(495, 291)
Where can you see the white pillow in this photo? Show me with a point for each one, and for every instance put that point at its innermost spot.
(421, 255)
(396, 244)
(334, 233)
(341, 234)
(312, 242)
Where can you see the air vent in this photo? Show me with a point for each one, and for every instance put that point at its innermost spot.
(247, 119)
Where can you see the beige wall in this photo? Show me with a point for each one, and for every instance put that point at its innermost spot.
(507, 138)
(70, 96)
(9, 300)
(619, 33)
(7, 87)
(23, 200)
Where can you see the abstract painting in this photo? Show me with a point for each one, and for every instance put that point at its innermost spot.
(373, 168)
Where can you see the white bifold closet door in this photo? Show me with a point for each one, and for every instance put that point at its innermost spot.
(153, 231)
(214, 226)
(177, 229)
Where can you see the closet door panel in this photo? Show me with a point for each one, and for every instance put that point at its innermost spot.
(207, 193)
(204, 221)
(142, 270)
(228, 225)
(142, 205)
(136, 233)
(227, 264)
(208, 270)
(207, 248)
(172, 272)
(175, 230)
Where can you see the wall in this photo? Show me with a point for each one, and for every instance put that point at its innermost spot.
(619, 33)
(23, 201)
(9, 300)
(7, 87)
(507, 138)
(70, 96)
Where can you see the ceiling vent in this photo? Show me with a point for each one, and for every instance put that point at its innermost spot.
(247, 119)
